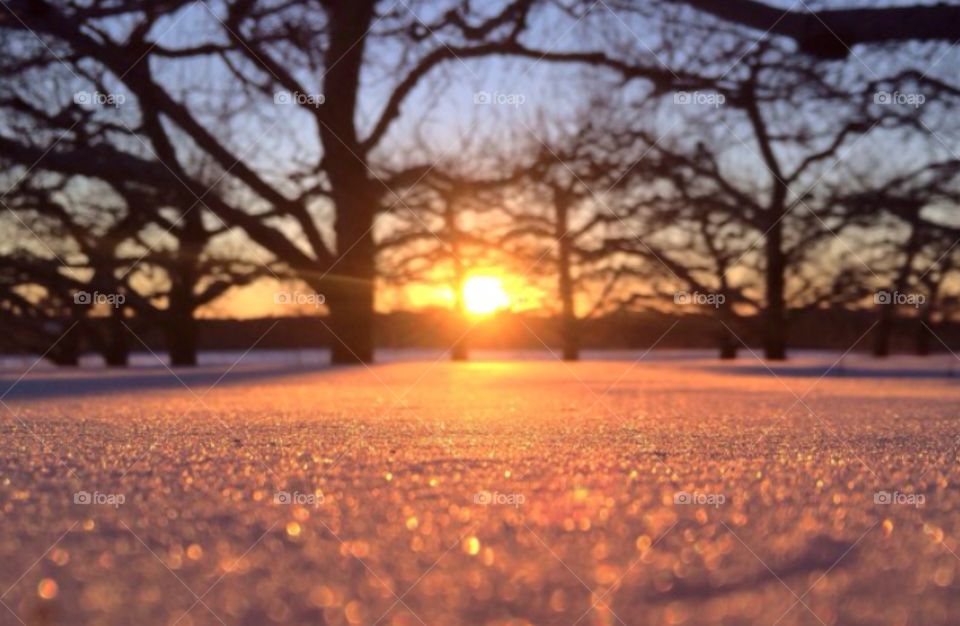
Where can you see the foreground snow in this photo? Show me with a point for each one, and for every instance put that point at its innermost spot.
(673, 491)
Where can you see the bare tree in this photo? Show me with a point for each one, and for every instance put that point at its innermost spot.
(321, 88)
(269, 47)
(432, 244)
(309, 58)
(918, 247)
(110, 241)
(562, 216)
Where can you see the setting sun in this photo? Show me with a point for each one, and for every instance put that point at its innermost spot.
(483, 295)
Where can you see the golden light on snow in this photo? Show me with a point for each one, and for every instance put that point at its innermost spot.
(48, 589)
(599, 493)
(471, 546)
(483, 295)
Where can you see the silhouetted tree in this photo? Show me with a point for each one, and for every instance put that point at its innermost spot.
(831, 33)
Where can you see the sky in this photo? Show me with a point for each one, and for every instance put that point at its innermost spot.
(443, 111)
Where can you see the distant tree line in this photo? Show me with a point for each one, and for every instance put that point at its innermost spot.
(700, 157)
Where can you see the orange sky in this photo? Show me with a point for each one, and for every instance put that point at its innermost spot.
(259, 299)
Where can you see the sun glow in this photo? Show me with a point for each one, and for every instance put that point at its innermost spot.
(483, 295)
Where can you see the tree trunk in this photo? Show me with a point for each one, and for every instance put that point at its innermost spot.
(728, 350)
(109, 339)
(922, 345)
(181, 327)
(181, 330)
(182, 342)
(116, 351)
(66, 351)
(461, 327)
(728, 342)
(62, 358)
(882, 331)
(349, 296)
(350, 288)
(569, 326)
(571, 338)
(460, 351)
(775, 320)
(461, 348)
(774, 316)
(923, 341)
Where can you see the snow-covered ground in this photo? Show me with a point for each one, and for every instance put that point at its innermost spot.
(673, 490)
(944, 363)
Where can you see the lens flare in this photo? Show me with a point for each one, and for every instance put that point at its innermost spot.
(483, 295)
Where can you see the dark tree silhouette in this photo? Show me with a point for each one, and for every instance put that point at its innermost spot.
(301, 113)
(830, 33)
